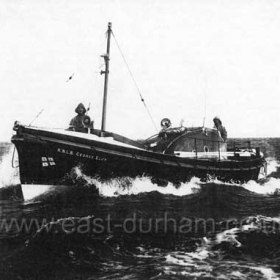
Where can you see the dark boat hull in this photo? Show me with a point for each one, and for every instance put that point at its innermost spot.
(47, 157)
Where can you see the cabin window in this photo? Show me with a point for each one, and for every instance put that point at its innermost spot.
(206, 149)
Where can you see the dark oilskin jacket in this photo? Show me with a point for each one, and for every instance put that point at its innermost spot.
(77, 122)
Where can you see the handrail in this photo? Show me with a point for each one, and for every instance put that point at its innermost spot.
(223, 155)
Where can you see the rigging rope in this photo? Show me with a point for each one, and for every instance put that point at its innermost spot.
(36, 117)
(205, 95)
(133, 79)
(205, 102)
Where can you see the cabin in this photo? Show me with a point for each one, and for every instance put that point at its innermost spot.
(195, 142)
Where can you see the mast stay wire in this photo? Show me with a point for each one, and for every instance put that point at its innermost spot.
(135, 83)
(205, 97)
(37, 116)
(204, 115)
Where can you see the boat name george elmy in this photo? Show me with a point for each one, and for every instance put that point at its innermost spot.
(78, 154)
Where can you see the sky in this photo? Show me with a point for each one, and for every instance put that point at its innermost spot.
(190, 59)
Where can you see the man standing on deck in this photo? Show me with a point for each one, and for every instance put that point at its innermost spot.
(218, 125)
(81, 120)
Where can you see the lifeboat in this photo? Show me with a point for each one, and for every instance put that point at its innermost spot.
(47, 155)
(177, 154)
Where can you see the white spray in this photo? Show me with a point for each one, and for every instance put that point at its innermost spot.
(9, 175)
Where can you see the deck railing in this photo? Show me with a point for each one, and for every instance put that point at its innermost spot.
(219, 154)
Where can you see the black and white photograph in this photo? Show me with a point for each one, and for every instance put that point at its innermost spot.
(139, 139)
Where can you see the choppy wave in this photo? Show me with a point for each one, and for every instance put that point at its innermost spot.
(244, 243)
(235, 253)
(250, 250)
(133, 186)
(128, 186)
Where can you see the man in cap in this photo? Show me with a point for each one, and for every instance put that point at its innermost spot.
(218, 125)
(81, 121)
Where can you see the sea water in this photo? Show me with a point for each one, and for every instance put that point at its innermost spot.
(124, 228)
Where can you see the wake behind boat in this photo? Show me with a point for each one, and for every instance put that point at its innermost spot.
(46, 156)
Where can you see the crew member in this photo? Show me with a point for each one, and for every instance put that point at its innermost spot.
(218, 125)
(165, 126)
(80, 121)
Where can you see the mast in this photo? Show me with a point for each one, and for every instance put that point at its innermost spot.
(106, 72)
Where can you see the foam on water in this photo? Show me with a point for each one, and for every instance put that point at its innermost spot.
(144, 184)
(208, 261)
(271, 186)
(272, 165)
(267, 272)
(128, 186)
(193, 264)
(190, 264)
(267, 186)
(9, 175)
